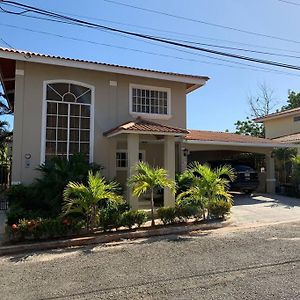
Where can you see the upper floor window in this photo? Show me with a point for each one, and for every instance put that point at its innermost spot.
(146, 100)
(297, 119)
(68, 120)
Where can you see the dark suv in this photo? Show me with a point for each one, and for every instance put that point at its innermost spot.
(246, 179)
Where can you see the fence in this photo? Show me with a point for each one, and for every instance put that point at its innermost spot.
(3, 205)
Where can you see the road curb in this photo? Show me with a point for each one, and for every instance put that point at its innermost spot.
(110, 237)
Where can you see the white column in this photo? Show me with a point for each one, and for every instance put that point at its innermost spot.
(112, 171)
(133, 159)
(169, 164)
(17, 148)
(270, 172)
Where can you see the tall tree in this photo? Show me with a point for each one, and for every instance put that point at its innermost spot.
(260, 104)
(263, 102)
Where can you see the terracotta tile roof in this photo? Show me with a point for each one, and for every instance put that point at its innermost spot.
(291, 138)
(225, 137)
(279, 114)
(145, 126)
(29, 54)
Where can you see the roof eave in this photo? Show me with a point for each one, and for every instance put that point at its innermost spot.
(143, 132)
(36, 58)
(256, 145)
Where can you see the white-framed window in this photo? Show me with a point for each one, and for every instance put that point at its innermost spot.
(122, 159)
(67, 120)
(148, 100)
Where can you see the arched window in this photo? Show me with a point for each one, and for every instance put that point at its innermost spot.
(68, 120)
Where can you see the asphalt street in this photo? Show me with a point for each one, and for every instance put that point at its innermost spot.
(231, 263)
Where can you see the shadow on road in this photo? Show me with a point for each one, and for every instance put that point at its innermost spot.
(271, 200)
(90, 249)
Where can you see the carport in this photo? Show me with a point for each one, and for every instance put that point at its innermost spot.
(206, 146)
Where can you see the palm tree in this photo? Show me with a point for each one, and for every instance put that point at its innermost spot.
(86, 200)
(147, 178)
(207, 184)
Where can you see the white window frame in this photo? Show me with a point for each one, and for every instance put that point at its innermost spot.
(150, 115)
(44, 116)
(143, 152)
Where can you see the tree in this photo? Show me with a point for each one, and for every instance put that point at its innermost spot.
(55, 175)
(260, 104)
(87, 199)
(249, 127)
(208, 184)
(147, 178)
(263, 103)
(293, 101)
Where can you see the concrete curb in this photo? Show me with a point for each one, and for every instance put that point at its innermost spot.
(109, 237)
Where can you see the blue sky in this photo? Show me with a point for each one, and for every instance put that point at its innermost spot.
(223, 100)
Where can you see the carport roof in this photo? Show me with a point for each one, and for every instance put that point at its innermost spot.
(226, 138)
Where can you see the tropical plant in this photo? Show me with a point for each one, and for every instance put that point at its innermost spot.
(296, 172)
(56, 174)
(167, 214)
(208, 184)
(147, 178)
(218, 209)
(88, 199)
(133, 217)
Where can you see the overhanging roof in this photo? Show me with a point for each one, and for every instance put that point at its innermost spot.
(202, 137)
(291, 139)
(142, 126)
(192, 81)
(277, 115)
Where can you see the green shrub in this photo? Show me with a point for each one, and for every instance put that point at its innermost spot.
(44, 228)
(133, 217)
(111, 215)
(43, 198)
(218, 209)
(167, 214)
(56, 174)
(187, 211)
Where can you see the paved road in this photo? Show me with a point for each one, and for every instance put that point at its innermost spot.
(261, 209)
(256, 263)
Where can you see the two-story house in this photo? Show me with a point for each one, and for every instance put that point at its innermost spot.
(283, 126)
(115, 115)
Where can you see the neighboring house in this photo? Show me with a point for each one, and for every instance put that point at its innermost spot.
(113, 114)
(283, 127)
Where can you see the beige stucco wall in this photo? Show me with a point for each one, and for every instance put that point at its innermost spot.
(281, 126)
(111, 109)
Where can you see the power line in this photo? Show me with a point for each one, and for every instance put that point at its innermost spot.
(179, 33)
(289, 2)
(243, 66)
(7, 44)
(148, 37)
(203, 22)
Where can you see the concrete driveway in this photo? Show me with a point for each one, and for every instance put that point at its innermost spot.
(264, 209)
